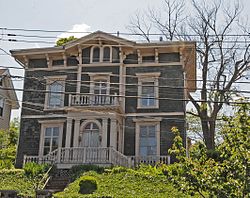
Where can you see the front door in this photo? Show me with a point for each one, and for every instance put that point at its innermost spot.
(90, 136)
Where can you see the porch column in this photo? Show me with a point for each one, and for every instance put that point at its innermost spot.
(68, 133)
(104, 132)
(113, 134)
(76, 132)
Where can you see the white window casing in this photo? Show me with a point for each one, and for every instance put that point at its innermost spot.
(50, 136)
(147, 137)
(54, 84)
(148, 90)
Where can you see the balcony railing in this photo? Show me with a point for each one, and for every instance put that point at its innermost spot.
(93, 100)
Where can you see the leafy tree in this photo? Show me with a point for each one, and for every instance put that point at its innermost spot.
(8, 145)
(224, 172)
(62, 41)
(222, 59)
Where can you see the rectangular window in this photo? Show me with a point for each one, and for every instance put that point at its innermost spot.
(55, 94)
(1, 106)
(148, 96)
(148, 140)
(51, 139)
(148, 90)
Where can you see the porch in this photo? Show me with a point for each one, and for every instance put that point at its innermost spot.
(103, 156)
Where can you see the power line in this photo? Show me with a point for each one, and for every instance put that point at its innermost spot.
(113, 33)
(122, 96)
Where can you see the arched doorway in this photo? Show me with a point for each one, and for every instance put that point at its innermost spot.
(90, 135)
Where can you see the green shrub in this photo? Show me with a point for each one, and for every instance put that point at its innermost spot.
(119, 169)
(87, 185)
(32, 169)
(77, 171)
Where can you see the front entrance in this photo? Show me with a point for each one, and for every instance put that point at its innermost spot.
(90, 136)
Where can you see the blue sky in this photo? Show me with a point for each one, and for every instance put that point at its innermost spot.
(90, 15)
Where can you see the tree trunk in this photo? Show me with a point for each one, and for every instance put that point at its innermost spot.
(208, 128)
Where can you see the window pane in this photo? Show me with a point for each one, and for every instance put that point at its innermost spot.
(55, 99)
(56, 131)
(47, 142)
(106, 54)
(46, 150)
(55, 142)
(48, 131)
(143, 131)
(148, 94)
(96, 54)
(148, 141)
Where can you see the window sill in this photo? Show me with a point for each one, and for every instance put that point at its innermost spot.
(147, 107)
(54, 109)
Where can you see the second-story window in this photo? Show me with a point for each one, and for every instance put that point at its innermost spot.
(148, 94)
(148, 90)
(56, 94)
(1, 106)
(55, 89)
(100, 87)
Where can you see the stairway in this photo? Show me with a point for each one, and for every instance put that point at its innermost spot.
(59, 179)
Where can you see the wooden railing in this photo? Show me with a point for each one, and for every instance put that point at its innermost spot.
(152, 160)
(93, 100)
(95, 155)
(118, 159)
(49, 158)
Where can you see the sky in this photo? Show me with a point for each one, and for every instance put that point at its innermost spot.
(77, 15)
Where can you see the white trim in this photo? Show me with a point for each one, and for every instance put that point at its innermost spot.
(154, 64)
(147, 122)
(155, 114)
(47, 124)
(148, 78)
(99, 76)
(49, 81)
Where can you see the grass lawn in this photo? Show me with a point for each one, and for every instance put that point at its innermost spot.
(125, 183)
(15, 179)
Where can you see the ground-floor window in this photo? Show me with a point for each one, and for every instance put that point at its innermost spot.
(51, 139)
(148, 141)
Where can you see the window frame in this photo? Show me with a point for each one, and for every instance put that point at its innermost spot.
(49, 81)
(147, 122)
(147, 78)
(101, 54)
(50, 124)
(2, 107)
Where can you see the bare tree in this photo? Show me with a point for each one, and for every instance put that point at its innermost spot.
(223, 54)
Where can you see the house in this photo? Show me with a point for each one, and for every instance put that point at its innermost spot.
(103, 99)
(8, 99)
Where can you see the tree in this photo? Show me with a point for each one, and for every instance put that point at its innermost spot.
(8, 144)
(222, 51)
(224, 172)
(62, 41)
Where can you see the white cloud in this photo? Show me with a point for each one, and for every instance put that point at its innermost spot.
(83, 30)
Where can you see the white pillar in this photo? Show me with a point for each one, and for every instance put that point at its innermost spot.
(68, 133)
(113, 134)
(76, 132)
(104, 132)
(79, 76)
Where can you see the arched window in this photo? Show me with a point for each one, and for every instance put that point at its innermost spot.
(96, 54)
(55, 94)
(90, 136)
(106, 54)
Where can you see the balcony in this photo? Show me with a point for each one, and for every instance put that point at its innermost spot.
(93, 100)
